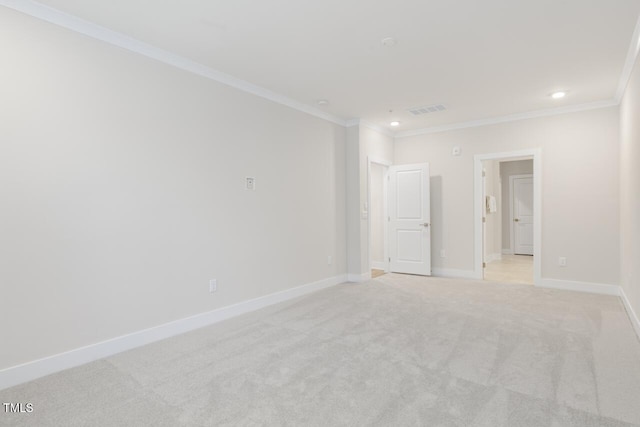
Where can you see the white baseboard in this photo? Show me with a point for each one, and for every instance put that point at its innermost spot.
(359, 278)
(454, 273)
(568, 285)
(379, 265)
(39, 368)
(635, 321)
(507, 251)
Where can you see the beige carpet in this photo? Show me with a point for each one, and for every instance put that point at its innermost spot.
(398, 350)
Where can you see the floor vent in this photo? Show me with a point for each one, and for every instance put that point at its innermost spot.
(418, 111)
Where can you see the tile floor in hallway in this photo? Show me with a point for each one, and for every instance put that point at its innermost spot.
(376, 273)
(511, 269)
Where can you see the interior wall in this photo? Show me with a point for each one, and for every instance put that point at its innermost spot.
(579, 189)
(508, 169)
(376, 211)
(122, 189)
(630, 190)
(354, 239)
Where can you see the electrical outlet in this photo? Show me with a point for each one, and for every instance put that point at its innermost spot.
(250, 183)
(213, 285)
(562, 261)
(329, 260)
(443, 253)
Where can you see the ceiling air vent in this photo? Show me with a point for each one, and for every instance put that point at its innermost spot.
(418, 111)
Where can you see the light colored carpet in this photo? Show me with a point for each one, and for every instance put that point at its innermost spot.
(398, 350)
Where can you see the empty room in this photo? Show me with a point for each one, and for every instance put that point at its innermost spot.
(411, 213)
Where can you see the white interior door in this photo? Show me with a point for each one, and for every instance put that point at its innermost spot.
(523, 215)
(409, 219)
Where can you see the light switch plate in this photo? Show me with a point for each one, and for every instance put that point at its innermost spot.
(250, 183)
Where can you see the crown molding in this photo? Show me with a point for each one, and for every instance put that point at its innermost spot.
(632, 56)
(73, 23)
(510, 118)
(79, 25)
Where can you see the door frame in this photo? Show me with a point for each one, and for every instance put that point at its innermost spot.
(536, 155)
(385, 201)
(485, 253)
(512, 236)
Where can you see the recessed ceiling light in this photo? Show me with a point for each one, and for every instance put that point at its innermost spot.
(323, 102)
(389, 41)
(558, 95)
(394, 123)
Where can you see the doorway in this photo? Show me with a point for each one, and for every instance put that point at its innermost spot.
(508, 221)
(410, 219)
(507, 217)
(398, 213)
(378, 172)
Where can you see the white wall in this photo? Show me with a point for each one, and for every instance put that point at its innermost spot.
(508, 169)
(354, 207)
(121, 192)
(579, 189)
(630, 191)
(376, 212)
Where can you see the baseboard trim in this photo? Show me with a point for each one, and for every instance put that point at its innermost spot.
(454, 273)
(29, 371)
(359, 278)
(568, 285)
(635, 321)
(379, 265)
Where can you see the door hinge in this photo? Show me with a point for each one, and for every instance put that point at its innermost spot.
(484, 265)
(484, 173)
(389, 259)
(484, 219)
(388, 219)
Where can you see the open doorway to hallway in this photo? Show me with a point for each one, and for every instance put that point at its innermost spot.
(508, 220)
(378, 256)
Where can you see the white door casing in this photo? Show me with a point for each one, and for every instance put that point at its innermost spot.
(522, 214)
(484, 221)
(410, 219)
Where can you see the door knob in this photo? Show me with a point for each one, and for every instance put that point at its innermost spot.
(516, 220)
(426, 224)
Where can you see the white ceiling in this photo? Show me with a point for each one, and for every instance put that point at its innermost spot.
(482, 59)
